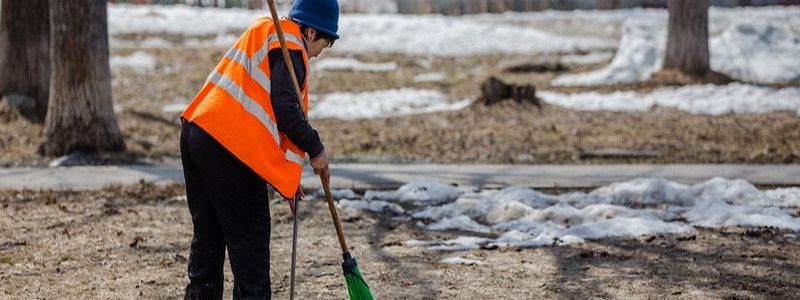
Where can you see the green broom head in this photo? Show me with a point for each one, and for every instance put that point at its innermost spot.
(356, 286)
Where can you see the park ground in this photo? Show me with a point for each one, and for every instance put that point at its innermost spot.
(517, 133)
(132, 242)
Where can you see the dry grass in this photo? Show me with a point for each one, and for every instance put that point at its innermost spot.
(506, 133)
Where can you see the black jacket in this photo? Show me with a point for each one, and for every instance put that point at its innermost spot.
(287, 110)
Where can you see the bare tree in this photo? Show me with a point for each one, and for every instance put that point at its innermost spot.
(25, 54)
(687, 40)
(80, 115)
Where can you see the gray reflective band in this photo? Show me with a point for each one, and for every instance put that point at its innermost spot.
(251, 106)
(293, 157)
(259, 55)
(290, 38)
(253, 70)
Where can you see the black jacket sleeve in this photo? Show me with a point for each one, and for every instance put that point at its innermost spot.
(287, 109)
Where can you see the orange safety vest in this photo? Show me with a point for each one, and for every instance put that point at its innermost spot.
(234, 106)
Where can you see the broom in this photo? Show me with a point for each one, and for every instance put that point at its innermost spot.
(357, 288)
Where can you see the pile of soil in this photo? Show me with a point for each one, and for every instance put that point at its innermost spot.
(132, 242)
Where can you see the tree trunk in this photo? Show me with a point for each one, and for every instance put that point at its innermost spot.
(687, 41)
(25, 54)
(81, 114)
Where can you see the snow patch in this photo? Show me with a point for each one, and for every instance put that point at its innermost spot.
(336, 194)
(696, 99)
(174, 107)
(351, 64)
(749, 50)
(591, 58)
(640, 54)
(373, 206)
(417, 193)
(452, 36)
(384, 103)
(177, 19)
(430, 77)
(522, 217)
(140, 62)
(458, 260)
(763, 52)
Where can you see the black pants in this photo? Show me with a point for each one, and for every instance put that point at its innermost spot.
(230, 208)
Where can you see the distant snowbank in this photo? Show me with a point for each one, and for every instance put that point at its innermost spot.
(352, 64)
(382, 104)
(760, 51)
(696, 99)
(452, 36)
(361, 33)
(430, 35)
(645, 206)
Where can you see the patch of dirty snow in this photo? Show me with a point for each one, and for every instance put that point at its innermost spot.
(352, 64)
(383, 103)
(697, 99)
(374, 206)
(430, 77)
(591, 58)
(140, 62)
(458, 260)
(336, 194)
(752, 50)
(175, 107)
(417, 193)
(523, 217)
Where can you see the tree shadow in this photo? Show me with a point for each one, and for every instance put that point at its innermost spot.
(732, 267)
(422, 286)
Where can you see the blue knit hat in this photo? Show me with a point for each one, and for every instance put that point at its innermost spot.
(322, 15)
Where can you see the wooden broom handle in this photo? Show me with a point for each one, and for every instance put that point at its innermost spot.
(299, 92)
(286, 57)
(334, 214)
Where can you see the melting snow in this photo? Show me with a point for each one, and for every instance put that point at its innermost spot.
(351, 64)
(458, 260)
(524, 217)
(384, 103)
(509, 33)
(697, 99)
(140, 62)
(174, 107)
(374, 206)
(750, 50)
(430, 77)
(591, 58)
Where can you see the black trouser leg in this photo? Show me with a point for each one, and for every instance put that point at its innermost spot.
(240, 200)
(207, 253)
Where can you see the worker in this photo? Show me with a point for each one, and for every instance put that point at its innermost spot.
(244, 131)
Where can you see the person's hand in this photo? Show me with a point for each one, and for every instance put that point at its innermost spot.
(298, 197)
(320, 165)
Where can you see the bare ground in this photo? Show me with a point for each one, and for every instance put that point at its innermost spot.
(132, 242)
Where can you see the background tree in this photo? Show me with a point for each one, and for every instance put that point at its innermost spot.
(25, 54)
(687, 40)
(80, 114)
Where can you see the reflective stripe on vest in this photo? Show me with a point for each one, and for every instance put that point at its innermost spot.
(234, 106)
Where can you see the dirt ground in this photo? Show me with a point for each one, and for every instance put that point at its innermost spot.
(132, 242)
(505, 133)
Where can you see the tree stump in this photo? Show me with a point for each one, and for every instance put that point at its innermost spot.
(494, 90)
